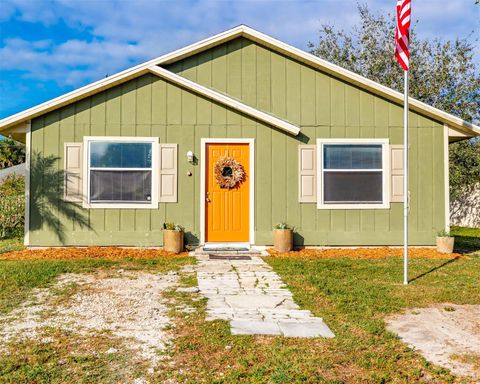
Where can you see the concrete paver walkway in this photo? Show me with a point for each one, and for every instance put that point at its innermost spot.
(250, 295)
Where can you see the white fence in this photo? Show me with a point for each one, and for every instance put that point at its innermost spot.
(17, 169)
(465, 211)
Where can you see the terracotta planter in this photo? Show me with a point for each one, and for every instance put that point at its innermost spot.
(283, 240)
(172, 241)
(445, 244)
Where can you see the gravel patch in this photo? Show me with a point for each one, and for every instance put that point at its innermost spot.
(128, 304)
(447, 335)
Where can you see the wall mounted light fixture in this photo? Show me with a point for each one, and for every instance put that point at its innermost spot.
(190, 157)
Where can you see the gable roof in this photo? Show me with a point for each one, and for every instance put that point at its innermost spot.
(224, 99)
(452, 121)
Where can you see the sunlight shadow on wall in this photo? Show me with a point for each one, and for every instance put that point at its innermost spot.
(46, 198)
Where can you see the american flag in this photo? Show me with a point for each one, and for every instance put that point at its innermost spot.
(402, 37)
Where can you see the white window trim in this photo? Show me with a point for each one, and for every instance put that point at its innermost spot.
(153, 204)
(385, 175)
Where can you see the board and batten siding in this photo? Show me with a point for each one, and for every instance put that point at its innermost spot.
(323, 107)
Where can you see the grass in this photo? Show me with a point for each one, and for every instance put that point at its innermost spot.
(354, 297)
(19, 277)
(59, 356)
(63, 357)
(12, 244)
(467, 240)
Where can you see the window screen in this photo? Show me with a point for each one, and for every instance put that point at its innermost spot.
(120, 172)
(352, 174)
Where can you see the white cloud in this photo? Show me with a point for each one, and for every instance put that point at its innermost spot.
(123, 33)
(69, 63)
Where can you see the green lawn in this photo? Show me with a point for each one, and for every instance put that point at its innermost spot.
(13, 244)
(466, 239)
(354, 297)
(67, 357)
(19, 277)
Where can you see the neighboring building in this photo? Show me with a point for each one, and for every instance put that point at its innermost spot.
(321, 148)
(18, 170)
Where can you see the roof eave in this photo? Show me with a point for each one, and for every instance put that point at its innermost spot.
(262, 39)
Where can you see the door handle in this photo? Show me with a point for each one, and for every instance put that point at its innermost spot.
(207, 197)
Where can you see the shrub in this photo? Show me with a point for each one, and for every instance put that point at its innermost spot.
(12, 206)
(12, 185)
(12, 210)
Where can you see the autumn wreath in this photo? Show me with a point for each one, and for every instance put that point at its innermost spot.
(229, 173)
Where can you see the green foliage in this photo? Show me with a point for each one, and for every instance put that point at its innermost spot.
(442, 73)
(464, 167)
(11, 153)
(443, 233)
(11, 244)
(173, 227)
(12, 185)
(12, 206)
(282, 225)
(12, 217)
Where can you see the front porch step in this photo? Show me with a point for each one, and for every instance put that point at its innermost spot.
(251, 252)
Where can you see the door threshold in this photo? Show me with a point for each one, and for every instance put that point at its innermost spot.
(233, 246)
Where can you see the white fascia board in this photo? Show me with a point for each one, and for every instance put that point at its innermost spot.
(118, 78)
(356, 79)
(225, 100)
(262, 39)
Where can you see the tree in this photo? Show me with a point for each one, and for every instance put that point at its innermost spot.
(442, 74)
(11, 153)
(464, 167)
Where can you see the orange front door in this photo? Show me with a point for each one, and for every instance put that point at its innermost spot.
(227, 210)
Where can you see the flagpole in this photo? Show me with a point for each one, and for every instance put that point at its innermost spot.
(405, 182)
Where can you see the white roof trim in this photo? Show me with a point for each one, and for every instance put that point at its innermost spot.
(118, 78)
(354, 78)
(225, 100)
(262, 39)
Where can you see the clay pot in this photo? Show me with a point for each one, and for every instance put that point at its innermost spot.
(445, 244)
(172, 241)
(283, 240)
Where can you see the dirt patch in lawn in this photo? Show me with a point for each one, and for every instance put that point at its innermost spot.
(364, 253)
(447, 335)
(128, 305)
(111, 253)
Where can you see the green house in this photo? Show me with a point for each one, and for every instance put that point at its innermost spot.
(228, 137)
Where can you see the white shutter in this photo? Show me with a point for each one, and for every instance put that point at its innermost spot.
(168, 173)
(397, 173)
(307, 174)
(72, 183)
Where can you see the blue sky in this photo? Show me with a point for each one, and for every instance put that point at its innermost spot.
(50, 47)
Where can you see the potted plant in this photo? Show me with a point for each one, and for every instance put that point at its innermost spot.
(172, 237)
(282, 237)
(445, 242)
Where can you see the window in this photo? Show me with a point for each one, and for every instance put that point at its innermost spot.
(120, 172)
(352, 173)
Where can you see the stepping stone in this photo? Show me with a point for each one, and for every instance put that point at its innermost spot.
(253, 327)
(255, 300)
(305, 329)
